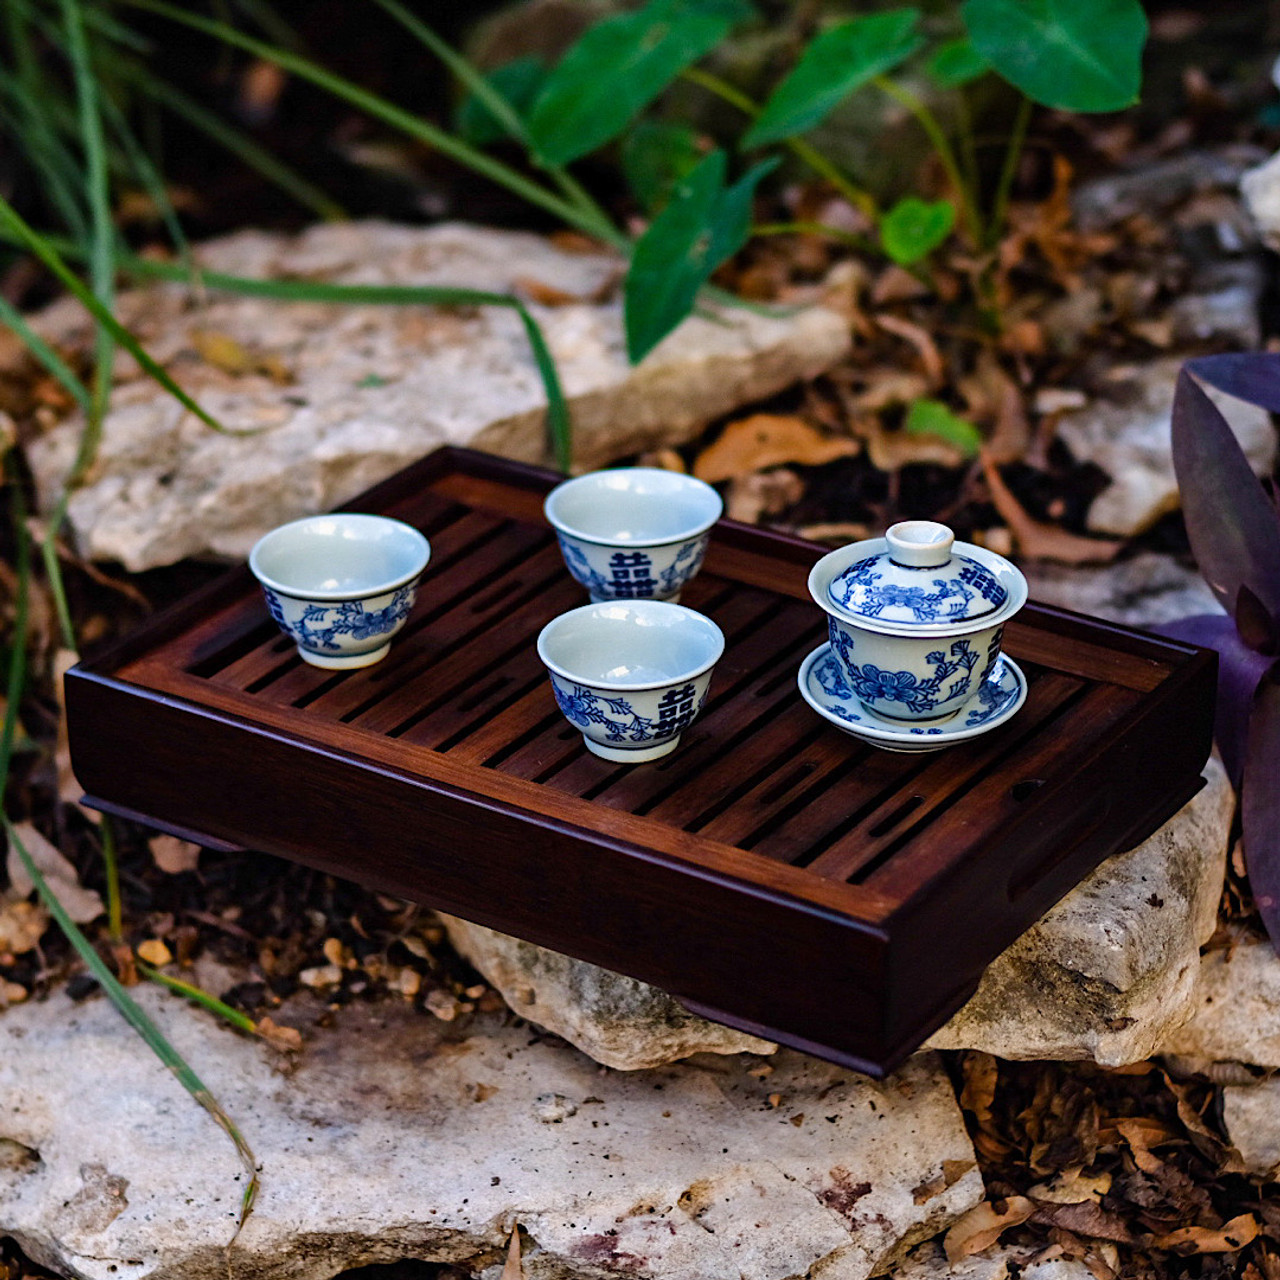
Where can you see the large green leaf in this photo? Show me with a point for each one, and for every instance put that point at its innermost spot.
(1076, 55)
(618, 67)
(838, 61)
(656, 154)
(933, 418)
(702, 226)
(518, 82)
(915, 227)
(956, 63)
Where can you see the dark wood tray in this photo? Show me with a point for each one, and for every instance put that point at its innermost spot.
(773, 874)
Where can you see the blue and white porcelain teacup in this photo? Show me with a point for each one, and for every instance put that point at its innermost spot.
(340, 585)
(915, 618)
(631, 674)
(633, 533)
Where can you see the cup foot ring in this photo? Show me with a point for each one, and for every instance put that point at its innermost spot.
(344, 661)
(631, 755)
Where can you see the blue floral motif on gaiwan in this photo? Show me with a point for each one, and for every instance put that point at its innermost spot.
(878, 587)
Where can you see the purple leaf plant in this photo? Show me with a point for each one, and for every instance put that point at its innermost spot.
(1234, 529)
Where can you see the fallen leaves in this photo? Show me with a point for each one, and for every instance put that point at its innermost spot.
(765, 440)
(81, 904)
(174, 856)
(983, 1225)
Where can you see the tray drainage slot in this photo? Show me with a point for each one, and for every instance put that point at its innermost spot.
(1025, 789)
(902, 811)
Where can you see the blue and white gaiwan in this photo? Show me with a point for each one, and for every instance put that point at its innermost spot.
(916, 618)
(340, 585)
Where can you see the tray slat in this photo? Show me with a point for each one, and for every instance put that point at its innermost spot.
(447, 773)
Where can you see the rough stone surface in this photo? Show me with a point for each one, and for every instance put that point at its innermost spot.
(1128, 437)
(1237, 1009)
(619, 1021)
(1260, 187)
(1144, 591)
(341, 397)
(1110, 972)
(401, 1137)
(1251, 1114)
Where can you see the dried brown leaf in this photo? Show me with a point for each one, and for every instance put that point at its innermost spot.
(1073, 1186)
(155, 953)
(1087, 1218)
(921, 340)
(766, 440)
(767, 493)
(22, 923)
(1038, 540)
(285, 1039)
(174, 856)
(983, 1224)
(981, 1074)
(81, 904)
(1229, 1238)
(513, 1269)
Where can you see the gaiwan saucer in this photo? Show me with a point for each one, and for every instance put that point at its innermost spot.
(824, 686)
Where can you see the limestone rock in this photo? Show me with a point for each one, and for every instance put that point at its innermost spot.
(400, 1137)
(1144, 591)
(1251, 1114)
(619, 1021)
(1260, 187)
(340, 397)
(1237, 1009)
(1110, 972)
(1128, 437)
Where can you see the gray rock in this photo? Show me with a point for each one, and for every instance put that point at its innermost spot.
(1260, 188)
(1144, 591)
(1128, 437)
(1224, 304)
(1106, 201)
(1110, 972)
(619, 1021)
(400, 1137)
(340, 397)
(1237, 1009)
(1251, 1114)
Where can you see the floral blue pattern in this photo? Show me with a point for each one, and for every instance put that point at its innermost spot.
(862, 590)
(871, 684)
(620, 720)
(683, 567)
(320, 625)
(581, 569)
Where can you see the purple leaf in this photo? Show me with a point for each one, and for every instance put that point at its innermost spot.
(1233, 527)
(1260, 803)
(1253, 377)
(1239, 670)
(1256, 626)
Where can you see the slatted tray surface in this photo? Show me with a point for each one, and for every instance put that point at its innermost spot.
(774, 872)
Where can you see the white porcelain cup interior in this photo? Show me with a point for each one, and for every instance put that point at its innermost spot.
(633, 506)
(339, 557)
(631, 674)
(340, 585)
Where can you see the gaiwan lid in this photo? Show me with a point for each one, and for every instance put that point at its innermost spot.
(919, 580)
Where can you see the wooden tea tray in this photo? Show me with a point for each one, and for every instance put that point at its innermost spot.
(773, 874)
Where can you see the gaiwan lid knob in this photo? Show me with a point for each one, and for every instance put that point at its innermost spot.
(919, 544)
(916, 577)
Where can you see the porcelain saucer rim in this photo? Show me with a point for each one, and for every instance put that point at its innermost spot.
(876, 730)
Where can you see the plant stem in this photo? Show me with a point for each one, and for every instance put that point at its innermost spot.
(234, 1017)
(115, 915)
(856, 196)
(929, 123)
(865, 243)
(1013, 153)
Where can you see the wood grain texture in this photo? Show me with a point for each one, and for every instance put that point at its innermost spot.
(772, 871)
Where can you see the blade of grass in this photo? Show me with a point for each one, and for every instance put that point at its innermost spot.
(15, 228)
(103, 241)
(239, 144)
(234, 1017)
(390, 114)
(484, 91)
(17, 679)
(137, 1018)
(111, 864)
(45, 354)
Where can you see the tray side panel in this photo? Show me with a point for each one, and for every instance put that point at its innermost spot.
(557, 885)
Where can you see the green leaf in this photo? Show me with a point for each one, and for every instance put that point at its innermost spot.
(518, 82)
(915, 227)
(656, 154)
(1075, 55)
(956, 63)
(702, 226)
(838, 61)
(618, 67)
(933, 418)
